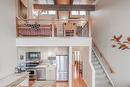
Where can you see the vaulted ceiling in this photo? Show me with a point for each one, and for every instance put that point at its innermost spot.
(65, 1)
(62, 14)
(61, 2)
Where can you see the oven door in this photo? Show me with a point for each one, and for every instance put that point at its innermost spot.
(32, 74)
(41, 74)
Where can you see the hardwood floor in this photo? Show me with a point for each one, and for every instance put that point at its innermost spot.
(31, 83)
(77, 80)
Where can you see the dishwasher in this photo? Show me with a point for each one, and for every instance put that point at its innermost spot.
(41, 74)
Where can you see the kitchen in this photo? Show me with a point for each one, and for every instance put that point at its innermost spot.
(44, 64)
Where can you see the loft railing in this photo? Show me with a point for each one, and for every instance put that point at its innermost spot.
(52, 28)
(103, 57)
(85, 31)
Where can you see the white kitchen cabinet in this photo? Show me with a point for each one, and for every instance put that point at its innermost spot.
(50, 73)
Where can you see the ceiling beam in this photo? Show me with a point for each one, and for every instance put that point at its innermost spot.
(71, 3)
(55, 2)
(65, 7)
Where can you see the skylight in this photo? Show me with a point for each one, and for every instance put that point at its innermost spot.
(48, 13)
(82, 13)
(52, 12)
(74, 13)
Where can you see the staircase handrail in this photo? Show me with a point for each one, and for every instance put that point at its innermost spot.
(102, 56)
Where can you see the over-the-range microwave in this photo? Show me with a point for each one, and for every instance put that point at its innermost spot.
(33, 56)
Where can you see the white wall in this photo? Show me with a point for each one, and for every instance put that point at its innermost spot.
(45, 51)
(70, 83)
(88, 71)
(50, 41)
(112, 17)
(7, 37)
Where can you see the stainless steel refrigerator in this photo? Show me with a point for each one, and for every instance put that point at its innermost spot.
(62, 62)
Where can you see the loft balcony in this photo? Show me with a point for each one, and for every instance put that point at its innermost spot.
(52, 33)
(51, 28)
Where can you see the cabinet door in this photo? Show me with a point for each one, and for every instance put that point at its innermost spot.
(51, 74)
(41, 74)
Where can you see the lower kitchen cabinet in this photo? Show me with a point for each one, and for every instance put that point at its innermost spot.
(46, 73)
(41, 73)
(51, 73)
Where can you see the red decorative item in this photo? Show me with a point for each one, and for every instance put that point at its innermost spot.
(128, 40)
(117, 39)
(113, 46)
(122, 45)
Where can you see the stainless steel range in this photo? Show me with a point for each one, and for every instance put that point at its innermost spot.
(32, 73)
(32, 60)
(31, 68)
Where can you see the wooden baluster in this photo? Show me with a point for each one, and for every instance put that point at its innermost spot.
(90, 25)
(17, 28)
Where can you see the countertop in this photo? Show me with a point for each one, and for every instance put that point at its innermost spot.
(46, 66)
(13, 79)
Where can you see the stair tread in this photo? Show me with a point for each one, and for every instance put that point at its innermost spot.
(99, 70)
(102, 80)
(103, 85)
(96, 63)
(98, 66)
(101, 76)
